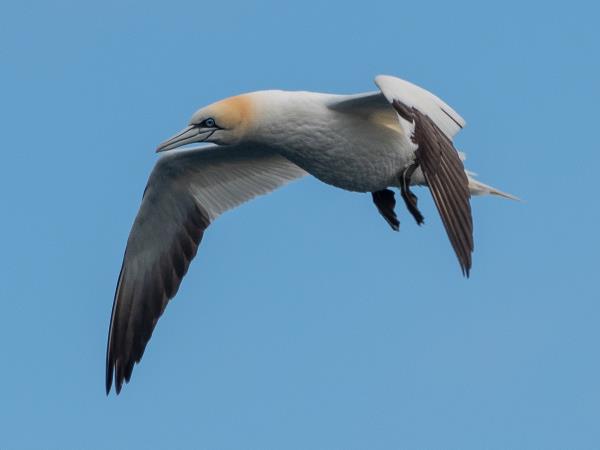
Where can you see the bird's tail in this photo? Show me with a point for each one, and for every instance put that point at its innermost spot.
(479, 188)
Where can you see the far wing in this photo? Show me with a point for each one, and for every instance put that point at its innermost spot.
(435, 123)
(413, 96)
(185, 193)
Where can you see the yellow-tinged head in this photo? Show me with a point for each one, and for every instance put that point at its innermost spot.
(225, 122)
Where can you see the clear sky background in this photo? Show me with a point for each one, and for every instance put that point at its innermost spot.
(304, 322)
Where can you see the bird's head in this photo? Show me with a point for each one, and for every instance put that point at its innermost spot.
(225, 122)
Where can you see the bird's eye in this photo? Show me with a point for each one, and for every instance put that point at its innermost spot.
(209, 123)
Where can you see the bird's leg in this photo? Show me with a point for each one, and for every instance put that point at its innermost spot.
(385, 202)
(410, 199)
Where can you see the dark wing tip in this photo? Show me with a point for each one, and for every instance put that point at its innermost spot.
(110, 361)
(447, 182)
(142, 293)
(109, 378)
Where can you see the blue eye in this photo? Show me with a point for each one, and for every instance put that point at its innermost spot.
(209, 123)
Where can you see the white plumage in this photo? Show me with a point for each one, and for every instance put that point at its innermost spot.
(398, 137)
(448, 120)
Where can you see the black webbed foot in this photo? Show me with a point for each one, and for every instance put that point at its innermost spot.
(410, 199)
(385, 202)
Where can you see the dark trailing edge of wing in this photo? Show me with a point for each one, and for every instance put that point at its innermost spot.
(167, 231)
(445, 175)
(140, 300)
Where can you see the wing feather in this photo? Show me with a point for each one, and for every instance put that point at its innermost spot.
(434, 123)
(185, 193)
(445, 118)
(445, 175)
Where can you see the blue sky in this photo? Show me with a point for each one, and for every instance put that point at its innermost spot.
(304, 322)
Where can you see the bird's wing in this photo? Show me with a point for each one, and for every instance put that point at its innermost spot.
(434, 125)
(365, 103)
(413, 96)
(185, 192)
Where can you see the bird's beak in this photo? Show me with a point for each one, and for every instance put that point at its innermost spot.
(188, 135)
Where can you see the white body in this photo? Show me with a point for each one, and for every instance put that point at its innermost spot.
(264, 140)
(350, 150)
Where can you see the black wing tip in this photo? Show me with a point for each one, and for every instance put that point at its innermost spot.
(109, 380)
(112, 374)
(466, 271)
(118, 385)
(465, 259)
(120, 378)
(448, 184)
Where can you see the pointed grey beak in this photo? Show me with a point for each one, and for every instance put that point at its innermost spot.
(188, 135)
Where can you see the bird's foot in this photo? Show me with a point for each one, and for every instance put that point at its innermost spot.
(410, 199)
(385, 202)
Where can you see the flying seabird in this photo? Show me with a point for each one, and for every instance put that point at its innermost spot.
(399, 136)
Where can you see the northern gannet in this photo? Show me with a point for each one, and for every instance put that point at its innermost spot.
(398, 136)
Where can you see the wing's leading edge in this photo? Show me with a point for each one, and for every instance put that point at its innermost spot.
(186, 191)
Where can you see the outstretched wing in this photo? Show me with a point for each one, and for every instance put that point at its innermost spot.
(185, 193)
(435, 123)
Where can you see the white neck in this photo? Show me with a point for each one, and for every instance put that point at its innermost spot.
(292, 121)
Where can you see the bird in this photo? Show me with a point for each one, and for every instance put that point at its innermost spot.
(398, 136)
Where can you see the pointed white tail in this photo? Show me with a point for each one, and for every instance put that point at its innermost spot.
(479, 188)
